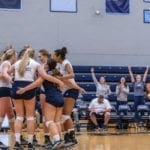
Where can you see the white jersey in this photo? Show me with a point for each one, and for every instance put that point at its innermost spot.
(30, 71)
(4, 82)
(61, 68)
(99, 107)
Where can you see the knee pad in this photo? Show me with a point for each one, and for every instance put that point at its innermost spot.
(19, 118)
(1, 119)
(47, 123)
(43, 119)
(30, 118)
(65, 118)
(11, 120)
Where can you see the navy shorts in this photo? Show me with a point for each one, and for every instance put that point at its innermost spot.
(5, 92)
(42, 92)
(71, 93)
(27, 95)
(55, 98)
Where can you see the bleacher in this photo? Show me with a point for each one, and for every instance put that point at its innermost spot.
(112, 75)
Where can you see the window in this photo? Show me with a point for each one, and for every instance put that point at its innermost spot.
(147, 1)
(146, 16)
(10, 4)
(63, 6)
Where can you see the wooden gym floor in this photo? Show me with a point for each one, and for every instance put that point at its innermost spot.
(92, 141)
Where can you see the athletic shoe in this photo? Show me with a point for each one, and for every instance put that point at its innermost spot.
(67, 140)
(23, 141)
(47, 140)
(35, 142)
(56, 145)
(2, 146)
(49, 145)
(30, 146)
(105, 127)
(97, 129)
(18, 146)
(71, 139)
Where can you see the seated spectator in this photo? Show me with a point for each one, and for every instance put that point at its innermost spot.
(122, 91)
(100, 108)
(101, 85)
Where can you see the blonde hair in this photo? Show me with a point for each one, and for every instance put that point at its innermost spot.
(8, 54)
(24, 61)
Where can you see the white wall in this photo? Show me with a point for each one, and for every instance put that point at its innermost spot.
(91, 40)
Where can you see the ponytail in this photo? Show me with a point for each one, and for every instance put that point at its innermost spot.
(8, 54)
(24, 62)
(61, 52)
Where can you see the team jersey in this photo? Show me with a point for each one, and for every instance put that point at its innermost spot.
(47, 85)
(61, 68)
(30, 71)
(4, 82)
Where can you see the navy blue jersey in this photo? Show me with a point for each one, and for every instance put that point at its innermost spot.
(53, 93)
(49, 85)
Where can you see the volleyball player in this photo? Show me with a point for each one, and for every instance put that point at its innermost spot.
(5, 88)
(24, 73)
(20, 55)
(43, 56)
(70, 94)
(52, 106)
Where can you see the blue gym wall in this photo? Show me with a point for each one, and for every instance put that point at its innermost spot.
(91, 39)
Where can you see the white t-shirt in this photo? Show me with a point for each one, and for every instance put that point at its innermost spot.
(3, 82)
(30, 71)
(61, 68)
(99, 107)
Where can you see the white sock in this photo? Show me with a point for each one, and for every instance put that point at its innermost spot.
(56, 137)
(69, 130)
(17, 136)
(30, 138)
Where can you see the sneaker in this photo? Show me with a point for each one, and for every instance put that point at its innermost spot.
(35, 142)
(23, 141)
(30, 146)
(67, 140)
(2, 146)
(47, 140)
(97, 129)
(61, 143)
(49, 145)
(18, 146)
(73, 138)
(105, 127)
(56, 145)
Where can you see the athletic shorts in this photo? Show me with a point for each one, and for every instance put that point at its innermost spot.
(71, 93)
(27, 95)
(54, 97)
(98, 116)
(5, 92)
(42, 92)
